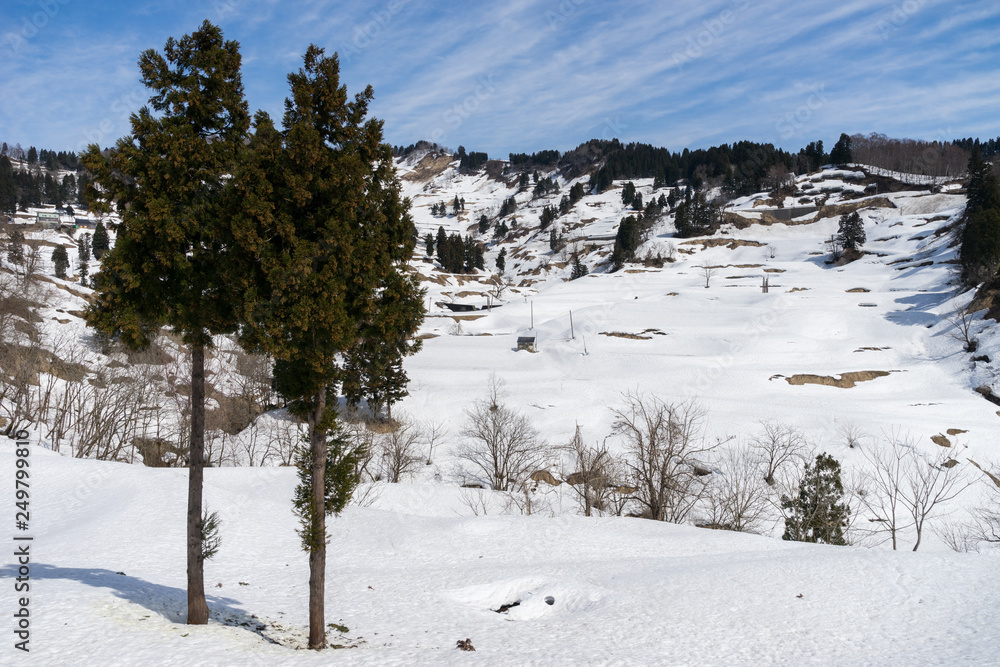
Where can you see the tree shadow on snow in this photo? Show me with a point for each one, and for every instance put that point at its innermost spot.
(165, 601)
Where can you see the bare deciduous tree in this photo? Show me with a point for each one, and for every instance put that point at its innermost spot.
(434, 432)
(904, 489)
(738, 498)
(777, 446)
(591, 477)
(500, 444)
(708, 271)
(665, 453)
(962, 321)
(399, 450)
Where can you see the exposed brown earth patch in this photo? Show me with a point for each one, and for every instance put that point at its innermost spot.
(732, 244)
(941, 440)
(845, 381)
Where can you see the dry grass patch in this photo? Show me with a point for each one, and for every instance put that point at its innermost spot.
(859, 290)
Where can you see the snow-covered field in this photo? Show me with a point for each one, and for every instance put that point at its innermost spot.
(413, 578)
(416, 570)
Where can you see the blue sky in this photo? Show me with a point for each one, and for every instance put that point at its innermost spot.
(526, 75)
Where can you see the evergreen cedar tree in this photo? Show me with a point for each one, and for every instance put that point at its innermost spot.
(851, 231)
(83, 254)
(817, 513)
(169, 265)
(101, 242)
(841, 153)
(980, 252)
(60, 261)
(316, 207)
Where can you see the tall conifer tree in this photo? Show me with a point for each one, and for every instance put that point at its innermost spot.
(320, 206)
(168, 267)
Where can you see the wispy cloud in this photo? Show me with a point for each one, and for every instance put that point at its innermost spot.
(533, 74)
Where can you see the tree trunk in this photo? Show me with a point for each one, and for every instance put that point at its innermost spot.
(197, 607)
(317, 557)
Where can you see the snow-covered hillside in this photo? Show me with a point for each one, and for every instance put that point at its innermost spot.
(864, 352)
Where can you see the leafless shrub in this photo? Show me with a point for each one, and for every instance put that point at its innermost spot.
(501, 445)
(708, 271)
(477, 500)
(778, 446)
(905, 489)
(591, 477)
(665, 447)
(399, 450)
(852, 434)
(962, 322)
(434, 432)
(739, 499)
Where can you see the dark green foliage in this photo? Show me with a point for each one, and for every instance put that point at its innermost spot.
(32, 155)
(626, 241)
(341, 479)
(8, 187)
(458, 254)
(980, 251)
(523, 182)
(210, 538)
(484, 224)
(501, 230)
(548, 216)
(470, 162)
(852, 231)
(441, 241)
(637, 201)
(502, 260)
(628, 193)
(981, 246)
(697, 216)
(509, 206)
(83, 254)
(817, 513)
(60, 261)
(672, 198)
(812, 156)
(841, 153)
(544, 187)
(579, 268)
(982, 190)
(429, 244)
(539, 159)
(166, 264)
(15, 246)
(553, 240)
(101, 243)
(81, 190)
